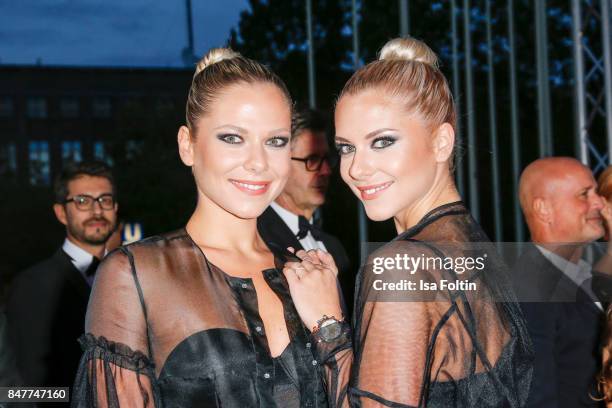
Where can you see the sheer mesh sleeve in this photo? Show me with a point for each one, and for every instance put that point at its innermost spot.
(336, 358)
(392, 334)
(420, 342)
(115, 370)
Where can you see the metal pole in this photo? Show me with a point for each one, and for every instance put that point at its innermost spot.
(312, 97)
(497, 215)
(579, 90)
(457, 98)
(361, 215)
(607, 57)
(189, 26)
(356, 63)
(188, 54)
(544, 124)
(404, 18)
(519, 228)
(471, 112)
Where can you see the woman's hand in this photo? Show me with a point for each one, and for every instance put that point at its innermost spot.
(313, 286)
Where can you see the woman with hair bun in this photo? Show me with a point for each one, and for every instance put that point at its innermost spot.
(414, 344)
(202, 317)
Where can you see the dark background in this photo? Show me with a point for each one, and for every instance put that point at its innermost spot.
(146, 107)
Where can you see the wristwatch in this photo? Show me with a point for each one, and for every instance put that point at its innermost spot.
(328, 329)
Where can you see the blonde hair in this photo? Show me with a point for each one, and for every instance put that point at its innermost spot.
(604, 183)
(408, 68)
(218, 69)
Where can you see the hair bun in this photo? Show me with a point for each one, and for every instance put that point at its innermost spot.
(213, 56)
(408, 49)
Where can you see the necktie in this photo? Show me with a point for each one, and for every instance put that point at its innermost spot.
(93, 266)
(306, 226)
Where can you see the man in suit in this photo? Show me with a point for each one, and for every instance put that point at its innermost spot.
(290, 220)
(47, 302)
(563, 212)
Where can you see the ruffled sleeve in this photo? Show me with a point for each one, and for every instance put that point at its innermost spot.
(116, 369)
(113, 375)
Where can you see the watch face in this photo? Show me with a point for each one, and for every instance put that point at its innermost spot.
(331, 331)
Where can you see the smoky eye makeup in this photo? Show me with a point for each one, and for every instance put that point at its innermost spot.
(278, 141)
(383, 141)
(230, 138)
(344, 148)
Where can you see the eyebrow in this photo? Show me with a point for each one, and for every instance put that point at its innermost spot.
(243, 130)
(236, 128)
(587, 188)
(280, 130)
(369, 135)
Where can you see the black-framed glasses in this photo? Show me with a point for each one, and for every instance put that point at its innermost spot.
(314, 161)
(85, 202)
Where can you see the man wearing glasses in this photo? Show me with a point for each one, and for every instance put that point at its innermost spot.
(290, 220)
(47, 303)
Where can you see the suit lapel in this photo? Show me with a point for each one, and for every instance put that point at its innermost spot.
(565, 289)
(274, 231)
(73, 275)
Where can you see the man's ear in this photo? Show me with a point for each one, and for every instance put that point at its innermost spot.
(542, 210)
(185, 145)
(60, 213)
(443, 142)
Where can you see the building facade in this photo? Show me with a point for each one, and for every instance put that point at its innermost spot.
(51, 115)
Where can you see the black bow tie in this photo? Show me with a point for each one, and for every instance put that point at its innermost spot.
(93, 266)
(306, 226)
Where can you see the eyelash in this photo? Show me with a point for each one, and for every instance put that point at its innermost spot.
(345, 148)
(226, 138)
(340, 148)
(231, 139)
(388, 141)
(283, 141)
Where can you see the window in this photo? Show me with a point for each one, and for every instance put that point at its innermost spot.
(40, 167)
(37, 108)
(8, 159)
(7, 108)
(100, 153)
(69, 107)
(71, 151)
(133, 148)
(101, 107)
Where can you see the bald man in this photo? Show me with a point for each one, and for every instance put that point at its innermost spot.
(563, 212)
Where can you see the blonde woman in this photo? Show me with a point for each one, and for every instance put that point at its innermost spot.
(201, 317)
(395, 132)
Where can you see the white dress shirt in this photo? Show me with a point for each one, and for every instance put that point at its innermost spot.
(291, 219)
(81, 259)
(579, 273)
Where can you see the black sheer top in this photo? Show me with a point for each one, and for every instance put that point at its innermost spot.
(165, 327)
(447, 348)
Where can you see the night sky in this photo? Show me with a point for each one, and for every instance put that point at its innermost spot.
(110, 32)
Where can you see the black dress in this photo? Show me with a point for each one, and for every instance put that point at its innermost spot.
(165, 327)
(446, 348)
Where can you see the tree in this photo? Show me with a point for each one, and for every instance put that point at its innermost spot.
(274, 32)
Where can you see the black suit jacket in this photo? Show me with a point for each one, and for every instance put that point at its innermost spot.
(46, 315)
(276, 233)
(565, 326)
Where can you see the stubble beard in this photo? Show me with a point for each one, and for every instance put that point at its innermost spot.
(98, 237)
